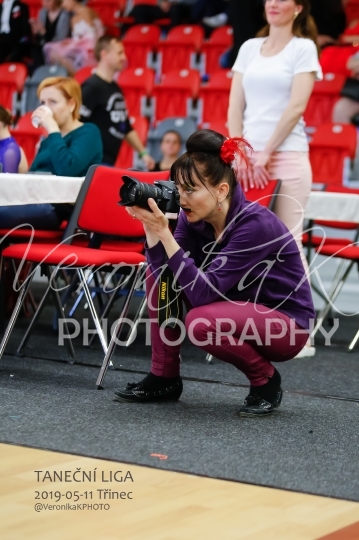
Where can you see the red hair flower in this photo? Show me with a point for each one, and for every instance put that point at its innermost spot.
(233, 147)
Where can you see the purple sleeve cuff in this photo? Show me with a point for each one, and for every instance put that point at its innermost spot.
(155, 255)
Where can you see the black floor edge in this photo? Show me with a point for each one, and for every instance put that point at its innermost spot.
(193, 379)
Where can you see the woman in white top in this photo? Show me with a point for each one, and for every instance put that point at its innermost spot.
(273, 78)
(272, 82)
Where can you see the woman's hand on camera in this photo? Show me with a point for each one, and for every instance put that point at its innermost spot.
(260, 171)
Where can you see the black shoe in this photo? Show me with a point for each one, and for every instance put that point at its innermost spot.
(140, 393)
(256, 405)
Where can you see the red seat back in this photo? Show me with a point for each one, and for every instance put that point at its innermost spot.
(220, 127)
(330, 146)
(84, 73)
(27, 136)
(139, 41)
(12, 76)
(125, 156)
(352, 10)
(324, 96)
(100, 212)
(264, 196)
(334, 59)
(221, 39)
(173, 93)
(136, 83)
(108, 11)
(34, 7)
(215, 95)
(182, 41)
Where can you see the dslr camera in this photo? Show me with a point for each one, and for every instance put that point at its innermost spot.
(164, 192)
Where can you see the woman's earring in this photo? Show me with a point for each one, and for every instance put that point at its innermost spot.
(219, 206)
(296, 15)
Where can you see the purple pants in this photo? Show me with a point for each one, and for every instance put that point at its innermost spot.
(246, 335)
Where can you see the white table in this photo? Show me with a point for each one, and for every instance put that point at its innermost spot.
(38, 188)
(333, 206)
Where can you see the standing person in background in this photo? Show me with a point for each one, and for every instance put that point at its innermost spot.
(105, 106)
(12, 157)
(330, 19)
(247, 19)
(15, 31)
(52, 24)
(273, 78)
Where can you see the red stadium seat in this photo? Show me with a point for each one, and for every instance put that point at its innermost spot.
(214, 97)
(176, 52)
(12, 76)
(334, 59)
(140, 41)
(34, 7)
(109, 11)
(331, 145)
(220, 127)
(125, 158)
(27, 136)
(221, 39)
(84, 73)
(352, 10)
(137, 85)
(174, 95)
(324, 96)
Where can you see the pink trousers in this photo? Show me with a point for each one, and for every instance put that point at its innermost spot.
(248, 336)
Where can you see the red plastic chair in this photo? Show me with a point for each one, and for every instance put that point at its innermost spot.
(84, 73)
(140, 41)
(178, 50)
(352, 10)
(220, 40)
(325, 94)
(334, 59)
(175, 94)
(214, 97)
(34, 7)
(109, 11)
(27, 136)
(137, 85)
(331, 145)
(12, 76)
(96, 212)
(125, 158)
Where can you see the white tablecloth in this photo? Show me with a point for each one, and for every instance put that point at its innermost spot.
(333, 206)
(38, 188)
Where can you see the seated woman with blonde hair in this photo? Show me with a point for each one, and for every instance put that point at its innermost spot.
(76, 52)
(69, 149)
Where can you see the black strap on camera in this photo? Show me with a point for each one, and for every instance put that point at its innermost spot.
(169, 300)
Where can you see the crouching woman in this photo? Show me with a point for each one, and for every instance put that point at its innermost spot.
(239, 271)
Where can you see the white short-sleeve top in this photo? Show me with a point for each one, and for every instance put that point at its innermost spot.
(267, 84)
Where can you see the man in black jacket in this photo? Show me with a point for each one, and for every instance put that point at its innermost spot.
(15, 31)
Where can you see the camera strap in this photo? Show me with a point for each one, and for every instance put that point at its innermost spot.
(169, 301)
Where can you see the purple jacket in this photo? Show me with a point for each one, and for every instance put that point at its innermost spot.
(257, 261)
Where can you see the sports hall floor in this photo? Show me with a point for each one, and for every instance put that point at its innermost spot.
(199, 470)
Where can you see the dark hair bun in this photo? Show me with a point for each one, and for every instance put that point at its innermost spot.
(205, 140)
